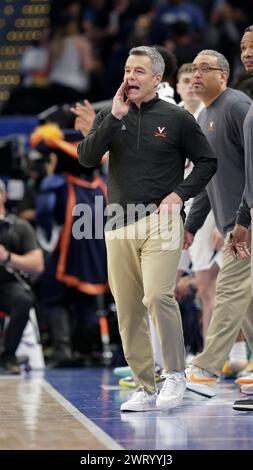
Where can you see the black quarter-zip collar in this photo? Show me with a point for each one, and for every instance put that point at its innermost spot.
(145, 105)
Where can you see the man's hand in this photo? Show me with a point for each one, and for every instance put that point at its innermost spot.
(120, 107)
(188, 239)
(166, 205)
(237, 243)
(85, 116)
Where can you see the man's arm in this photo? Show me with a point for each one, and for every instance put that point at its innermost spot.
(198, 213)
(29, 257)
(31, 262)
(195, 147)
(91, 150)
(239, 237)
(243, 216)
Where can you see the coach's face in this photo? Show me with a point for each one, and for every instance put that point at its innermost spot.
(141, 82)
(208, 78)
(247, 51)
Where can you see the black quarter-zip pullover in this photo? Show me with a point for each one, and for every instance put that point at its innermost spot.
(147, 153)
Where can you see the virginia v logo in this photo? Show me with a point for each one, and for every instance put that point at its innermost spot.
(211, 126)
(123, 128)
(161, 132)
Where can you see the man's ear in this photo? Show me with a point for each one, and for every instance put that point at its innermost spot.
(158, 78)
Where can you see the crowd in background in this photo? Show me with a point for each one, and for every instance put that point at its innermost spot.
(84, 50)
(81, 57)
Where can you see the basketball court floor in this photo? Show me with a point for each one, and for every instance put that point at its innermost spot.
(79, 409)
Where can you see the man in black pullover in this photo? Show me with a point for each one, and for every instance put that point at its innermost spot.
(148, 141)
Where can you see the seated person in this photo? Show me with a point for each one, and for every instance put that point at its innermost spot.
(19, 252)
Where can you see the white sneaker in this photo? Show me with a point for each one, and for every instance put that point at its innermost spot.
(172, 391)
(201, 381)
(140, 401)
(247, 388)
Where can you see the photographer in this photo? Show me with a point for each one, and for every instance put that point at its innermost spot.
(19, 252)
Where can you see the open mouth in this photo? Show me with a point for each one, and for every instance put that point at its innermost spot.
(132, 87)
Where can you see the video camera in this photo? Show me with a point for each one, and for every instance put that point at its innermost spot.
(12, 163)
(13, 169)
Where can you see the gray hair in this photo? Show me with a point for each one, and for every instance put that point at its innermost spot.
(221, 59)
(249, 29)
(158, 64)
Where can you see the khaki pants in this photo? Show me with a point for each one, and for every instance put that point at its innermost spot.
(233, 311)
(142, 274)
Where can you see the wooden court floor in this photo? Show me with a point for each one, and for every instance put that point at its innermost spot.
(78, 409)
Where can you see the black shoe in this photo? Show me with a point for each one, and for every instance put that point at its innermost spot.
(9, 365)
(244, 404)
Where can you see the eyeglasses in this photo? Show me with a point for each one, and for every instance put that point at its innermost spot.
(203, 69)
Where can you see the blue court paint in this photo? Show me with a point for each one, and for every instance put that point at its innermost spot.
(199, 423)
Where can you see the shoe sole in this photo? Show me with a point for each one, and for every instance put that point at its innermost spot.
(247, 389)
(244, 381)
(136, 409)
(243, 408)
(122, 374)
(200, 389)
(127, 384)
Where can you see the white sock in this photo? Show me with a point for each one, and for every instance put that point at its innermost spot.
(238, 352)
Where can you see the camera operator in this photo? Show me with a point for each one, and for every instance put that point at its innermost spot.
(19, 252)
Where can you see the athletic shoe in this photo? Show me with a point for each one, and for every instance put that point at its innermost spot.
(247, 389)
(127, 372)
(248, 369)
(232, 369)
(201, 381)
(247, 379)
(244, 404)
(140, 401)
(122, 371)
(172, 391)
(129, 382)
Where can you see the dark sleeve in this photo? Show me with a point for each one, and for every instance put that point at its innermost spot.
(97, 141)
(27, 237)
(236, 116)
(198, 212)
(243, 216)
(195, 147)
